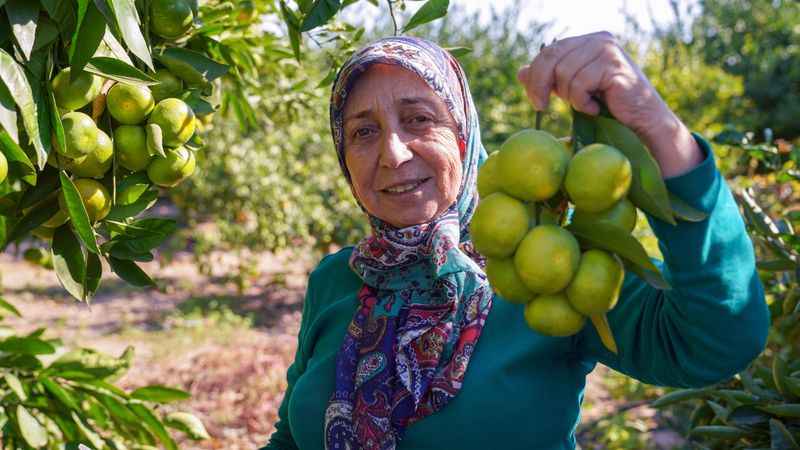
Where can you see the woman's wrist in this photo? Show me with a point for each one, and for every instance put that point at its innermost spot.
(673, 146)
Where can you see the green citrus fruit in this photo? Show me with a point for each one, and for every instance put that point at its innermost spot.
(497, 226)
(169, 86)
(176, 167)
(489, 176)
(597, 283)
(547, 258)
(598, 176)
(622, 214)
(130, 143)
(96, 163)
(247, 11)
(80, 132)
(176, 120)
(129, 104)
(170, 19)
(504, 280)
(75, 94)
(3, 167)
(532, 164)
(96, 198)
(58, 219)
(552, 315)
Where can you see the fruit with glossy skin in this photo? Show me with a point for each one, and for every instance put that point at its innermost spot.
(96, 163)
(96, 198)
(75, 94)
(130, 143)
(533, 164)
(547, 258)
(80, 133)
(129, 104)
(504, 280)
(598, 176)
(596, 285)
(170, 19)
(622, 214)
(552, 315)
(499, 223)
(176, 167)
(176, 120)
(169, 86)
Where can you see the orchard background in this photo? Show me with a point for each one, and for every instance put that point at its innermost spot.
(210, 304)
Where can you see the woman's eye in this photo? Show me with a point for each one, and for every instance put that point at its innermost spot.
(362, 132)
(420, 119)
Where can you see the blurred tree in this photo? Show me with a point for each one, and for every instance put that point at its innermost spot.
(758, 40)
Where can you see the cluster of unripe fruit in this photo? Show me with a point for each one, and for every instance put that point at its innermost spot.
(150, 128)
(519, 226)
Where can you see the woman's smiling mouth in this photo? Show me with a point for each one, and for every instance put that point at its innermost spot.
(405, 186)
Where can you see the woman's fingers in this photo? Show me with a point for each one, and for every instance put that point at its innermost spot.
(585, 84)
(568, 67)
(540, 77)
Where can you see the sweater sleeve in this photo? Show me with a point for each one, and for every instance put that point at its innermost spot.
(281, 438)
(714, 321)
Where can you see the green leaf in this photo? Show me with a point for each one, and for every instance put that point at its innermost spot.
(159, 394)
(69, 261)
(77, 213)
(60, 393)
(788, 410)
(684, 211)
(781, 438)
(116, 48)
(146, 234)
(130, 272)
(153, 424)
(46, 33)
(9, 307)
(94, 273)
(47, 185)
(94, 439)
(87, 37)
(293, 27)
(195, 68)
(614, 239)
(321, 12)
(26, 346)
(55, 119)
(680, 396)
(430, 11)
(19, 164)
(15, 385)
(654, 279)
(584, 130)
(8, 113)
(32, 431)
(155, 140)
(747, 416)
(88, 361)
(23, 15)
(127, 20)
(13, 76)
(459, 51)
(648, 191)
(33, 219)
(198, 104)
(187, 423)
(121, 212)
(118, 71)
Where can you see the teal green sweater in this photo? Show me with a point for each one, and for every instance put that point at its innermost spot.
(524, 390)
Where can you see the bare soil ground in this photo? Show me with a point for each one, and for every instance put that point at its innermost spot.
(230, 350)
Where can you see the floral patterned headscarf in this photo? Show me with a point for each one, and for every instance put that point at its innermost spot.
(425, 297)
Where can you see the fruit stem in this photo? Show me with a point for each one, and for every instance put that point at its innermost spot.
(600, 322)
(538, 120)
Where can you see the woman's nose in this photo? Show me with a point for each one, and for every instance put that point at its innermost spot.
(395, 152)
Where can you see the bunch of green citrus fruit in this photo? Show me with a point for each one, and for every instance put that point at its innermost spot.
(532, 259)
(147, 134)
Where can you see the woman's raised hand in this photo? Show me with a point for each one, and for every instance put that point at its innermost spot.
(582, 69)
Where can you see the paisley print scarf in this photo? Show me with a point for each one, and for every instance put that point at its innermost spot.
(425, 297)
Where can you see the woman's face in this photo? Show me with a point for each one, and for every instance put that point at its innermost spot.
(400, 147)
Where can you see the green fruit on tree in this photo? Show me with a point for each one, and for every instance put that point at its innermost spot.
(552, 315)
(497, 226)
(547, 259)
(176, 167)
(3, 167)
(176, 120)
(504, 280)
(96, 163)
(169, 85)
(56, 220)
(532, 164)
(95, 196)
(80, 133)
(170, 19)
(598, 176)
(489, 176)
(129, 104)
(130, 144)
(622, 215)
(596, 285)
(75, 94)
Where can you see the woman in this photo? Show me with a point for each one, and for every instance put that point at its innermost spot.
(402, 343)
